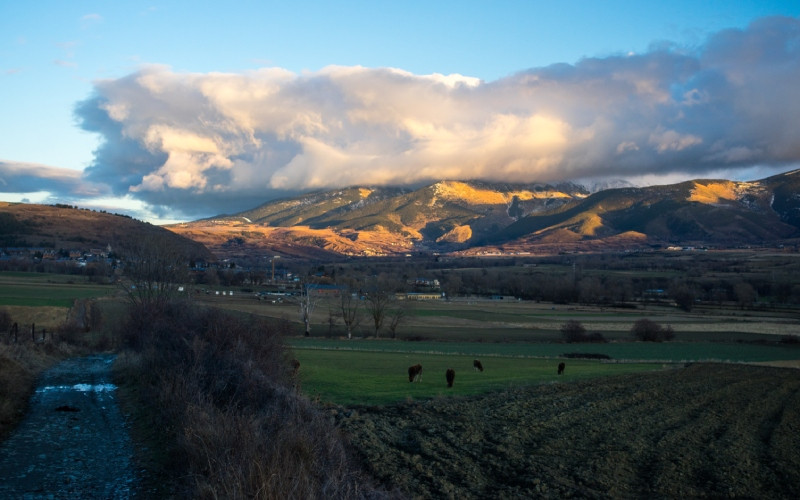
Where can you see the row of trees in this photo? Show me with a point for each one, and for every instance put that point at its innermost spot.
(351, 307)
(645, 330)
(603, 279)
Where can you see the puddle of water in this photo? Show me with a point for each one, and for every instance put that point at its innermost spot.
(78, 388)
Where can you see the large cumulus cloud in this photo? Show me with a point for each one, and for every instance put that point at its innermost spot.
(210, 143)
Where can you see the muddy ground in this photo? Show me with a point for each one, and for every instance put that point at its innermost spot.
(699, 431)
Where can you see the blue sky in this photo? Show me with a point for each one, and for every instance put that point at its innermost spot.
(163, 109)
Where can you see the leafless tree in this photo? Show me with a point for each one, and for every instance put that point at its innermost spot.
(397, 315)
(376, 304)
(256, 277)
(154, 269)
(307, 305)
(332, 319)
(349, 307)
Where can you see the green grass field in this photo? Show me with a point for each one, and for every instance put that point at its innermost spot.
(53, 290)
(375, 378)
(676, 352)
(375, 371)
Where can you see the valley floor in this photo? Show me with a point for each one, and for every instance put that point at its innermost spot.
(706, 430)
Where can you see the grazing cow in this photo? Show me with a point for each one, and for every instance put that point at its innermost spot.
(450, 375)
(477, 365)
(415, 373)
(561, 367)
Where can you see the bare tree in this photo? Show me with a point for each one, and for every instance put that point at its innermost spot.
(256, 276)
(307, 305)
(349, 307)
(332, 317)
(376, 304)
(154, 269)
(397, 315)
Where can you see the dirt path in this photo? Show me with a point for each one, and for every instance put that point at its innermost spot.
(73, 443)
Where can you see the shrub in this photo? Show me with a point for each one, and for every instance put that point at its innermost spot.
(5, 321)
(573, 331)
(585, 355)
(684, 298)
(220, 388)
(649, 331)
(597, 337)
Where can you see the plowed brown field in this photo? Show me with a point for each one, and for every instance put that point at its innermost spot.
(701, 431)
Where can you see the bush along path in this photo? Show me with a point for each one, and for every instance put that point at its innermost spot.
(73, 443)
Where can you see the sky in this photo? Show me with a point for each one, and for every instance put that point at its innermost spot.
(180, 110)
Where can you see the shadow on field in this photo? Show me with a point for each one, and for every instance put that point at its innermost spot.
(706, 430)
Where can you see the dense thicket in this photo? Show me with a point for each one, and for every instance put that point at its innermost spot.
(221, 391)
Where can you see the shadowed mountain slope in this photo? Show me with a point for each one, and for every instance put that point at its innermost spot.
(64, 227)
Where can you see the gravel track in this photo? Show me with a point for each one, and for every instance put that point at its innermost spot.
(702, 431)
(73, 443)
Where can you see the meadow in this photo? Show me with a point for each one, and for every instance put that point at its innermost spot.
(351, 377)
(375, 372)
(520, 342)
(48, 290)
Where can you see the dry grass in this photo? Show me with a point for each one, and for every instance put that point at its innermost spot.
(23, 358)
(454, 190)
(714, 192)
(221, 390)
(215, 235)
(20, 365)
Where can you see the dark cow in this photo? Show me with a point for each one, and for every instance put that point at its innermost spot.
(450, 375)
(561, 367)
(477, 365)
(415, 373)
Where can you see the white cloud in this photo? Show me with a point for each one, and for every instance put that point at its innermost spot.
(669, 140)
(221, 142)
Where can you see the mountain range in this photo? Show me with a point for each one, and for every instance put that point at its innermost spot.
(473, 218)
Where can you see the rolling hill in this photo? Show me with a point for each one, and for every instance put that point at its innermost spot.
(63, 227)
(481, 217)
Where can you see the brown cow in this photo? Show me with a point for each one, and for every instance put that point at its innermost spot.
(477, 365)
(450, 375)
(561, 367)
(415, 373)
